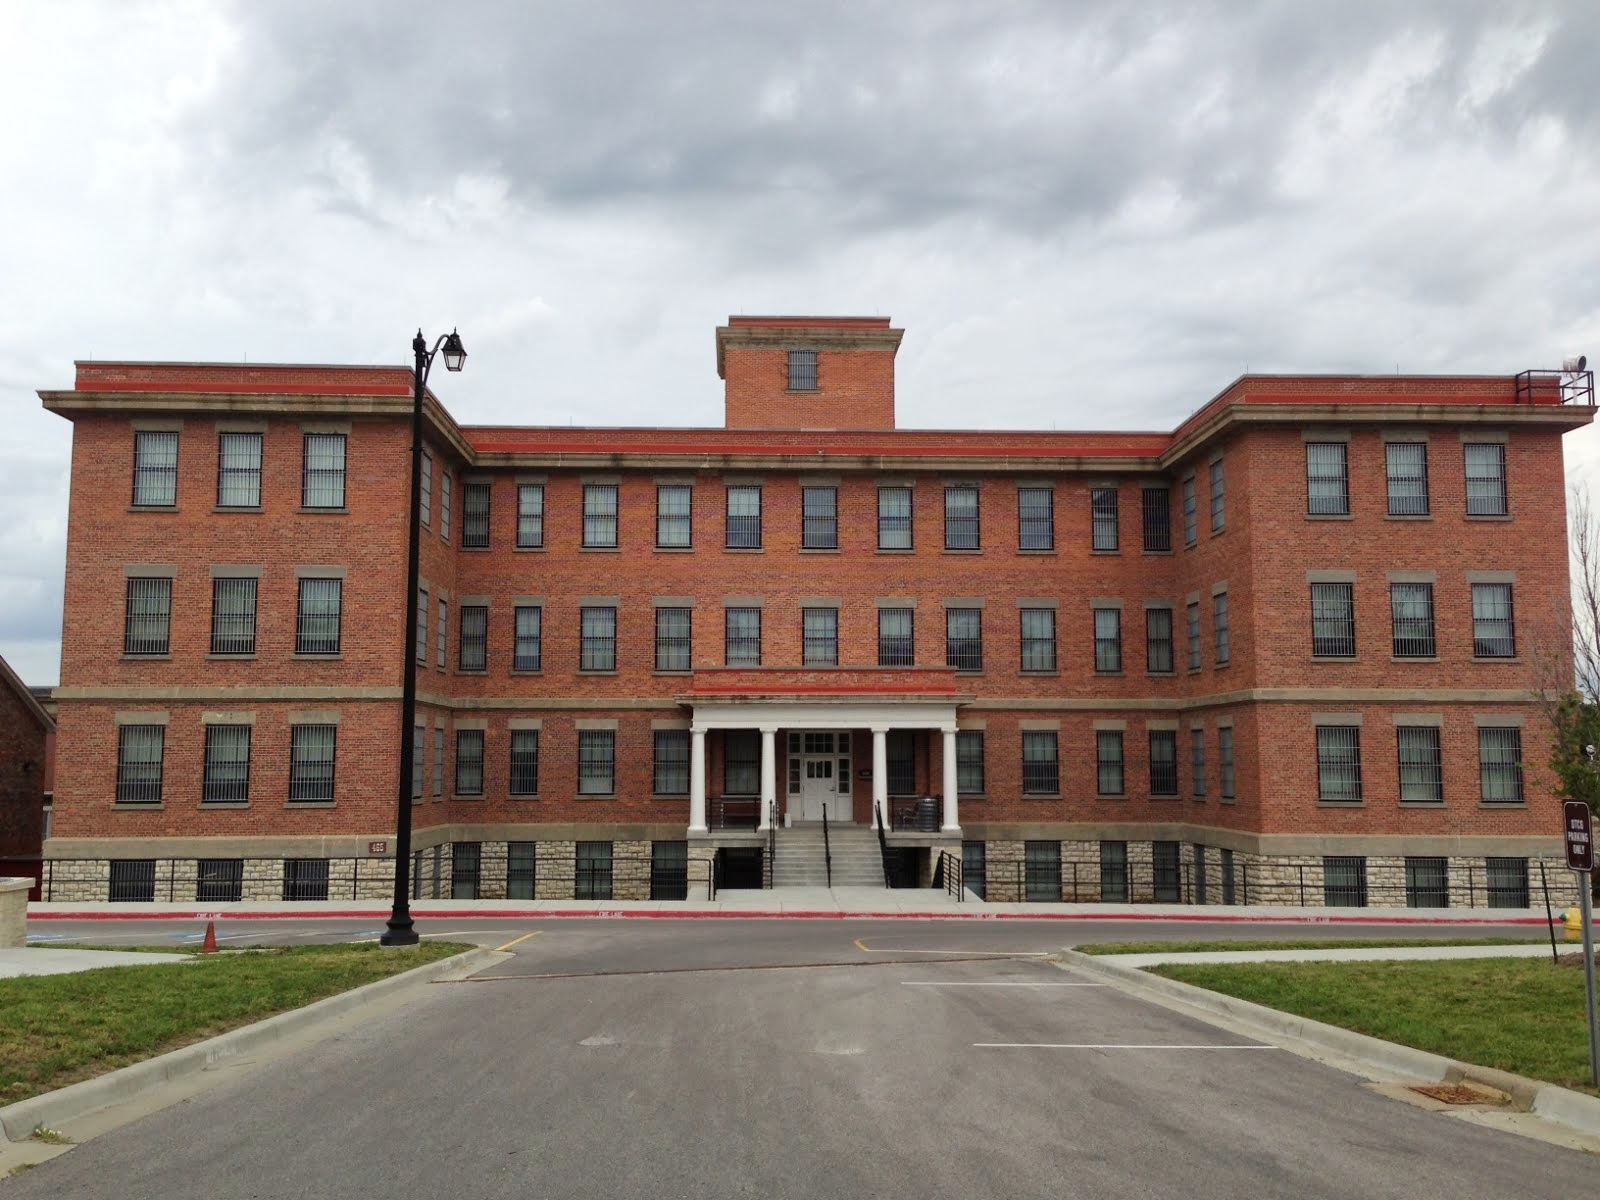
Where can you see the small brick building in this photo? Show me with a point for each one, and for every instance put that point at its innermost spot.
(27, 737)
(1280, 654)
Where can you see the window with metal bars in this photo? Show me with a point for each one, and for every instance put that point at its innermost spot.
(444, 505)
(669, 870)
(1493, 629)
(1339, 763)
(1500, 764)
(227, 765)
(1407, 469)
(1038, 638)
(802, 370)
(741, 637)
(1103, 531)
(322, 476)
(423, 612)
(1221, 644)
(1107, 641)
(1486, 479)
(901, 751)
(1421, 765)
(1041, 869)
(1412, 608)
(1197, 762)
(741, 762)
(1333, 620)
(239, 470)
(744, 518)
(974, 868)
(1041, 768)
(140, 751)
(155, 469)
(1219, 516)
(148, 623)
(1191, 527)
(1225, 761)
(819, 518)
(472, 652)
(1156, 508)
(444, 631)
(317, 616)
(894, 518)
(438, 761)
(1344, 881)
(524, 774)
(600, 515)
(1163, 762)
(1507, 880)
(1327, 479)
(1158, 641)
(1114, 872)
(466, 860)
(1192, 612)
(820, 631)
(592, 871)
(961, 518)
(969, 762)
(599, 650)
(426, 494)
(963, 638)
(674, 516)
(219, 880)
(521, 870)
(1427, 883)
(132, 880)
(671, 762)
(896, 641)
(477, 498)
(674, 637)
(528, 632)
(311, 763)
(1166, 875)
(305, 879)
(1109, 777)
(469, 762)
(233, 616)
(419, 744)
(530, 516)
(1036, 519)
(597, 762)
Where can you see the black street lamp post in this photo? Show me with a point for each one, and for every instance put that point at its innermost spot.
(401, 932)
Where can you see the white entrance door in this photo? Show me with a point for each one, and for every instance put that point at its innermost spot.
(819, 776)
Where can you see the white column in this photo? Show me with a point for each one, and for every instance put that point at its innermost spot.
(769, 776)
(880, 772)
(952, 823)
(697, 781)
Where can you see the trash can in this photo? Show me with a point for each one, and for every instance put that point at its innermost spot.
(927, 815)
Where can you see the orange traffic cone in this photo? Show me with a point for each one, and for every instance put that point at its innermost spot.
(209, 946)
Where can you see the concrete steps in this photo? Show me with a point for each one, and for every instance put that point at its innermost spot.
(799, 857)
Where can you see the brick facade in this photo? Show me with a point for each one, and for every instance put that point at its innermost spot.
(1262, 553)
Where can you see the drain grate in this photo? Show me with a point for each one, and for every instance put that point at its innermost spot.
(1460, 1093)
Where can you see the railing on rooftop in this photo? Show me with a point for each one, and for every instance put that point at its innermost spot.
(1555, 387)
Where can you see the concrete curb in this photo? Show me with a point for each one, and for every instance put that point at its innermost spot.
(1209, 915)
(18, 1121)
(1562, 1106)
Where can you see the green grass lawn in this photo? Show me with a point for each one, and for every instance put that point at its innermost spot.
(1517, 1014)
(1296, 944)
(58, 1029)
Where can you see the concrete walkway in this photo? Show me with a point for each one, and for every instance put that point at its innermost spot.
(36, 960)
(1343, 954)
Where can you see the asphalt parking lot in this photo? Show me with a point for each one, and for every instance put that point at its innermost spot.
(792, 1059)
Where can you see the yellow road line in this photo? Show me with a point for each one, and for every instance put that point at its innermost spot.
(860, 944)
(514, 941)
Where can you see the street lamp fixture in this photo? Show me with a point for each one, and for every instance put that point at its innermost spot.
(401, 931)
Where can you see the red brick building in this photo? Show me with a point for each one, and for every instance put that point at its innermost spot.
(1280, 654)
(27, 744)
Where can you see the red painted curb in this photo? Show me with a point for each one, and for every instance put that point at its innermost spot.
(1212, 917)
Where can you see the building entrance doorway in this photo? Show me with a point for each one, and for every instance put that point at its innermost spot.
(819, 776)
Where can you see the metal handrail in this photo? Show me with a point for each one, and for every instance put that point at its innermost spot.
(883, 844)
(947, 871)
(772, 846)
(827, 847)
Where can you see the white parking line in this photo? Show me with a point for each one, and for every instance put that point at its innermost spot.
(1105, 1046)
(992, 983)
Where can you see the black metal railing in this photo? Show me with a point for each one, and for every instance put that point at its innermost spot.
(920, 815)
(1564, 387)
(947, 873)
(772, 846)
(735, 812)
(827, 848)
(883, 846)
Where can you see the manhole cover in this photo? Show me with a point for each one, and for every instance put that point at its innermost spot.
(1456, 1093)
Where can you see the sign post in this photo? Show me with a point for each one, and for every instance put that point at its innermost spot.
(1579, 836)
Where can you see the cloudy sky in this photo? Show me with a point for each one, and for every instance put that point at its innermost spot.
(1087, 215)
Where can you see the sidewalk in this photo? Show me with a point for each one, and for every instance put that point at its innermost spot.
(811, 902)
(34, 960)
(1336, 954)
